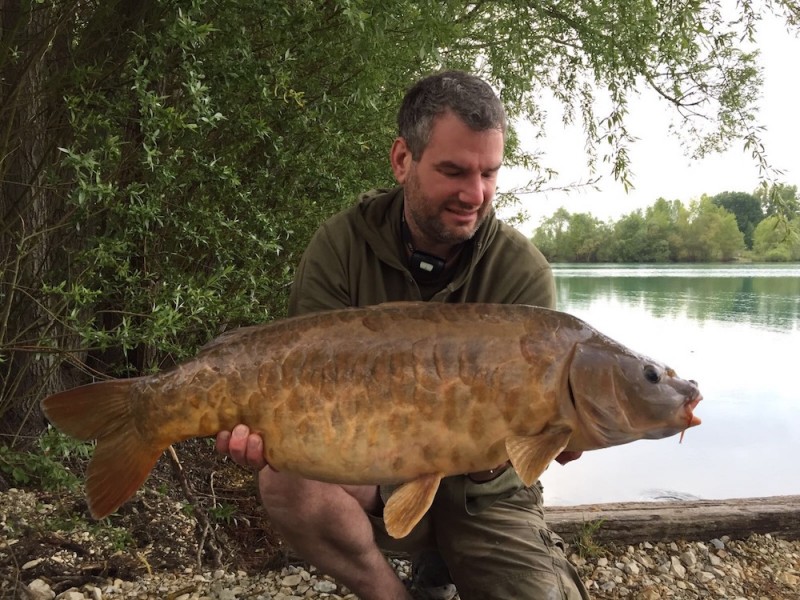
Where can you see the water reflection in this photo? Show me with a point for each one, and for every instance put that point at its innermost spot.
(762, 301)
(683, 270)
(738, 336)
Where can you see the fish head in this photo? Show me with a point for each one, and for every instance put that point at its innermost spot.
(621, 396)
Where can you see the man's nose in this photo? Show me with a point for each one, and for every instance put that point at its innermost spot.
(472, 191)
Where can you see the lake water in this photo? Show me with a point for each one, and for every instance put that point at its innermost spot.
(736, 330)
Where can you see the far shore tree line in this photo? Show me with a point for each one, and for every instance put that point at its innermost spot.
(726, 227)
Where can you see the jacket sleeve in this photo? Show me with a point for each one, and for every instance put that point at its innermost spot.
(513, 271)
(535, 283)
(320, 281)
(536, 287)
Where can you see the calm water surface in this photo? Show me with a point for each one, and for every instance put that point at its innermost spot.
(734, 329)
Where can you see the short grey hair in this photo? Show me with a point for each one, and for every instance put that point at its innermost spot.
(468, 96)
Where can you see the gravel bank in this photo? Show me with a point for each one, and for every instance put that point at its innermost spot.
(41, 560)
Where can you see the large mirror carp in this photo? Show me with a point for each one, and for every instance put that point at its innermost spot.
(396, 393)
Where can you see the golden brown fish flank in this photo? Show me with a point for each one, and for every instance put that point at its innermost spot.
(404, 392)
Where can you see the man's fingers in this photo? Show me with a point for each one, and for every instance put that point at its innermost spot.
(255, 451)
(243, 448)
(237, 444)
(223, 441)
(568, 456)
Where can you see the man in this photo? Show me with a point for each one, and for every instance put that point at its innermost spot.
(433, 238)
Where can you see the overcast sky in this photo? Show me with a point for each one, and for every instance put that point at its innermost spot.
(660, 166)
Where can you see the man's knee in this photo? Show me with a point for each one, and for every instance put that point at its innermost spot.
(286, 496)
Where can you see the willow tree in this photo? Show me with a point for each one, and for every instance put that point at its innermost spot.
(164, 162)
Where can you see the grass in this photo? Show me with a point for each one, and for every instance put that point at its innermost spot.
(585, 539)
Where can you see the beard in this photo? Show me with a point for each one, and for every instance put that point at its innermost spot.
(427, 215)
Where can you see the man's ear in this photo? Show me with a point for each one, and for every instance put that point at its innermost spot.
(400, 158)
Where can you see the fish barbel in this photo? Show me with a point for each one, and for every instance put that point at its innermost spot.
(395, 393)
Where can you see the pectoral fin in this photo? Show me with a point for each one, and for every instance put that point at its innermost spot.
(530, 454)
(409, 503)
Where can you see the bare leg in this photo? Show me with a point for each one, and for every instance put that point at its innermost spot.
(327, 525)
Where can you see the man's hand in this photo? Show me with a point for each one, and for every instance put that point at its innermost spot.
(568, 456)
(244, 448)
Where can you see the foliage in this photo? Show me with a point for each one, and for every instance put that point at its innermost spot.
(747, 210)
(223, 512)
(779, 199)
(163, 163)
(666, 231)
(566, 237)
(712, 234)
(630, 241)
(774, 243)
(585, 539)
(47, 465)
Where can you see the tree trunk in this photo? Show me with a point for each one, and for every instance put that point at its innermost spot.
(31, 129)
(701, 520)
(59, 48)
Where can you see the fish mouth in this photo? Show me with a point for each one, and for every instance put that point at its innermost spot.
(691, 419)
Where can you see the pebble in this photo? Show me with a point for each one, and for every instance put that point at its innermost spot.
(677, 568)
(32, 563)
(41, 590)
(648, 572)
(291, 580)
(325, 586)
(688, 558)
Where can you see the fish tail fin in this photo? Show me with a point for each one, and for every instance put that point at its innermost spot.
(122, 459)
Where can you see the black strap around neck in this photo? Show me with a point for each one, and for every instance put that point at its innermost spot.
(424, 267)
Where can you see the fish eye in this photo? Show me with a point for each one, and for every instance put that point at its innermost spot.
(652, 374)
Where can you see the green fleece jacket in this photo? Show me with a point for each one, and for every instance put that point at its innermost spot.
(357, 258)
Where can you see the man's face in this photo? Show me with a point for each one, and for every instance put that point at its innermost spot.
(449, 191)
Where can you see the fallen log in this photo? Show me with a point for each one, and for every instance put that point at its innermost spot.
(695, 520)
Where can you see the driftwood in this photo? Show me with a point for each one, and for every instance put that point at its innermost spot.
(696, 520)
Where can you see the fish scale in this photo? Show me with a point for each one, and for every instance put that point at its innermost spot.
(402, 393)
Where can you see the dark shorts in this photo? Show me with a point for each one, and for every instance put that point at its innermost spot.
(494, 540)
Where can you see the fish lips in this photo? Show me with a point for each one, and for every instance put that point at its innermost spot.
(692, 419)
(688, 420)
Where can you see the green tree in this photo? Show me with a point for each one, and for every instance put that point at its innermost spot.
(746, 208)
(711, 233)
(549, 234)
(774, 243)
(566, 237)
(631, 242)
(662, 221)
(779, 199)
(587, 237)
